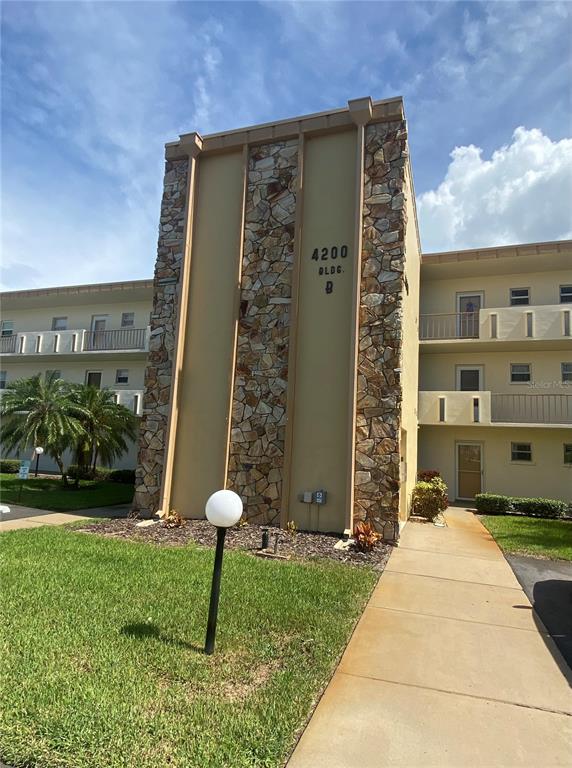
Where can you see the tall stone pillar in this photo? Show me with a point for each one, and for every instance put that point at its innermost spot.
(161, 363)
(379, 395)
(256, 451)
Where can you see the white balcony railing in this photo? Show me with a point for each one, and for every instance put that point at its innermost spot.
(483, 407)
(75, 341)
(549, 322)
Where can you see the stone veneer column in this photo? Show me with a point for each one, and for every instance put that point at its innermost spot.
(378, 409)
(159, 372)
(256, 451)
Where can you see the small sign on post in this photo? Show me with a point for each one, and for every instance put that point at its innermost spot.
(23, 474)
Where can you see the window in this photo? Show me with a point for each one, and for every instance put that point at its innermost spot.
(2, 379)
(566, 294)
(568, 453)
(521, 452)
(519, 373)
(519, 296)
(7, 328)
(93, 379)
(122, 376)
(53, 375)
(566, 373)
(59, 323)
(127, 319)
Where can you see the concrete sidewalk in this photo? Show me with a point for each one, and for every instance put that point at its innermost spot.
(448, 666)
(28, 517)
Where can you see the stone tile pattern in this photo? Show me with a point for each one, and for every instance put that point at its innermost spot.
(378, 409)
(161, 359)
(256, 452)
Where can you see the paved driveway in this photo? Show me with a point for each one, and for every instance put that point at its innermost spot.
(28, 517)
(548, 586)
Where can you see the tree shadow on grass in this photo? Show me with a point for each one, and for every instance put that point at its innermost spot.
(143, 630)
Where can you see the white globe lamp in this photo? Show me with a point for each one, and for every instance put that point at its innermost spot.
(223, 509)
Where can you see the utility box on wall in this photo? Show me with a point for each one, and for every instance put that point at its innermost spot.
(284, 331)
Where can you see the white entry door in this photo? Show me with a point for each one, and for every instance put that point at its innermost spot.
(469, 470)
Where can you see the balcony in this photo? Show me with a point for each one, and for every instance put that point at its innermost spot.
(131, 399)
(75, 342)
(488, 409)
(7, 344)
(549, 323)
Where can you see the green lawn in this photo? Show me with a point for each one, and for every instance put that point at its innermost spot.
(531, 536)
(101, 652)
(49, 493)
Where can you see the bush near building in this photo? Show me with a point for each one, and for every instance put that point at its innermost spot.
(430, 497)
(495, 504)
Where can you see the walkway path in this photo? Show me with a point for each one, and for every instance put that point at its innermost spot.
(448, 666)
(28, 517)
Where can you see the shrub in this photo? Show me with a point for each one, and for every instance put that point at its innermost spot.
(549, 508)
(493, 504)
(365, 536)
(126, 476)
(430, 498)
(426, 475)
(9, 466)
(80, 473)
(170, 519)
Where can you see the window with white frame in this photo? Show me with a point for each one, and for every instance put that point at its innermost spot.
(2, 379)
(519, 296)
(7, 328)
(566, 373)
(127, 319)
(53, 375)
(93, 379)
(520, 373)
(122, 376)
(568, 453)
(566, 294)
(521, 451)
(59, 323)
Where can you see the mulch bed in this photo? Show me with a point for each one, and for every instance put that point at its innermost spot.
(302, 545)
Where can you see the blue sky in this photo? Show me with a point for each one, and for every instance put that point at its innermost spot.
(92, 91)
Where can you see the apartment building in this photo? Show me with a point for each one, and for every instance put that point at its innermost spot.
(284, 351)
(97, 334)
(495, 373)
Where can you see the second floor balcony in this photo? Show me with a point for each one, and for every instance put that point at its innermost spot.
(75, 341)
(550, 322)
(489, 408)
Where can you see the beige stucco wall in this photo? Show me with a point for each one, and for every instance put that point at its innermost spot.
(438, 371)
(79, 316)
(321, 441)
(410, 360)
(439, 296)
(199, 466)
(545, 476)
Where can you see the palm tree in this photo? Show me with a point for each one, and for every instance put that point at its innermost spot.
(40, 411)
(107, 426)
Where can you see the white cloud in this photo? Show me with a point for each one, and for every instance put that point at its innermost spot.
(521, 194)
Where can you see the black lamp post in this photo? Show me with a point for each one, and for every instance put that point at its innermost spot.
(38, 451)
(223, 509)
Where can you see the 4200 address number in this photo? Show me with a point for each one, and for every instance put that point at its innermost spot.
(324, 254)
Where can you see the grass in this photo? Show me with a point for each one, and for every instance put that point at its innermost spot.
(101, 652)
(49, 493)
(533, 536)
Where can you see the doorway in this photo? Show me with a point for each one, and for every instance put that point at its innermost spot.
(469, 470)
(97, 335)
(469, 378)
(468, 306)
